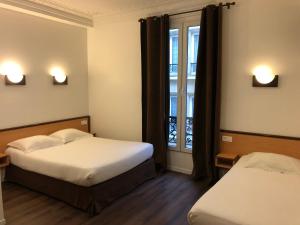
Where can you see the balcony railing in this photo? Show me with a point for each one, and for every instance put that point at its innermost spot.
(173, 69)
(188, 131)
(172, 129)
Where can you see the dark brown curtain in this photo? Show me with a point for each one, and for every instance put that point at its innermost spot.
(155, 85)
(206, 121)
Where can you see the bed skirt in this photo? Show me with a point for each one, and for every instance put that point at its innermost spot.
(90, 199)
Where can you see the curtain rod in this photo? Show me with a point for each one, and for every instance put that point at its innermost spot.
(227, 4)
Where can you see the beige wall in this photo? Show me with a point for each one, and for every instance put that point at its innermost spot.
(255, 32)
(258, 32)
(114, 80)
(36, 44)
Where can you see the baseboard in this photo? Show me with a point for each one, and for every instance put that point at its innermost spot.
(2, 222)
(180, 170)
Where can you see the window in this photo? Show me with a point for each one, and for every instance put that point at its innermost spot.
(193, 40)
(173, 105)
(174, 52)
(184, 38)
(173, 120)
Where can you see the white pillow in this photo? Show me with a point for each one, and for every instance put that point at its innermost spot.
(272, 162)
(69, 135)
(34, 143)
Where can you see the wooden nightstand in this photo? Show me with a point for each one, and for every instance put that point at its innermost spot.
(226, 160)
(4, 160)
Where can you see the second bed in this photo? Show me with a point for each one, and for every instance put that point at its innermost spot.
(261, 189)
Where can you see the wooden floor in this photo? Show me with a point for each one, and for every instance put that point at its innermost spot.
(164, 200)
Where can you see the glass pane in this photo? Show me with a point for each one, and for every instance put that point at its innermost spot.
(174, 52)
(174, 35)
(193, 40)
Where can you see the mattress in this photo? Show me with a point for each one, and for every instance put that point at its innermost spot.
(250, 196)
(84, 162)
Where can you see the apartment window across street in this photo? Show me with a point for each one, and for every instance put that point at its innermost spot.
(173, 51)
(184, 38)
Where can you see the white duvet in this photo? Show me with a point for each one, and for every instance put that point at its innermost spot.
(84, 162)
(250, 196)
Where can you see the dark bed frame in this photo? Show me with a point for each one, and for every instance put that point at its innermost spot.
(90, 199)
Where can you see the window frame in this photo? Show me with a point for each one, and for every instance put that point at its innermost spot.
(171, 53)
(182, 23)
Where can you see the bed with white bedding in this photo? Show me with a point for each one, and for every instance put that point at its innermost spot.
(87, 172)
(84, 162)
(261, 189)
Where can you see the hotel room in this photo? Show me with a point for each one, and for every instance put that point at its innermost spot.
(136, 112)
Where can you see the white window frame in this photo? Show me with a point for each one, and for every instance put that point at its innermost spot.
(171, 52)
(182, 23)
(192, 48)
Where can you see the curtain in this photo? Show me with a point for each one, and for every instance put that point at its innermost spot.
(155, 85)
(206, 120)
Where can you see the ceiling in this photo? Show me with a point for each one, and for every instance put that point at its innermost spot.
(90, 8)
(82, 12)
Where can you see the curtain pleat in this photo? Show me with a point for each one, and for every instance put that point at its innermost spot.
(206, 119)
(155, 85)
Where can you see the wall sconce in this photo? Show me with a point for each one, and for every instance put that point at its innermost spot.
(13, 73)
(59, 76)
(263, 76)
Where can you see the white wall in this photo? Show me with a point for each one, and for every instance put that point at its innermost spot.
(114, 80)
(37, 44)
(255, 32)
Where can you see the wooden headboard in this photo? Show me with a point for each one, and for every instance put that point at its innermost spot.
(244, 143)
(11, 134)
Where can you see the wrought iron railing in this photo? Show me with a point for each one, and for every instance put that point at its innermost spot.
(172, 129)
(173, 69)
(188, 131)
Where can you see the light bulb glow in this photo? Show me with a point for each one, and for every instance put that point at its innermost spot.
(58, 74)
(13, 71)
(263, 74)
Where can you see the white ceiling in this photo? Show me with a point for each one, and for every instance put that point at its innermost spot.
(90, 8)
(83, 11)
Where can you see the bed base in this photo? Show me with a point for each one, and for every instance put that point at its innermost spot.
(90, 199)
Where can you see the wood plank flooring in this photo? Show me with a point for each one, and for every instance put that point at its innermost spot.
(164, 200)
